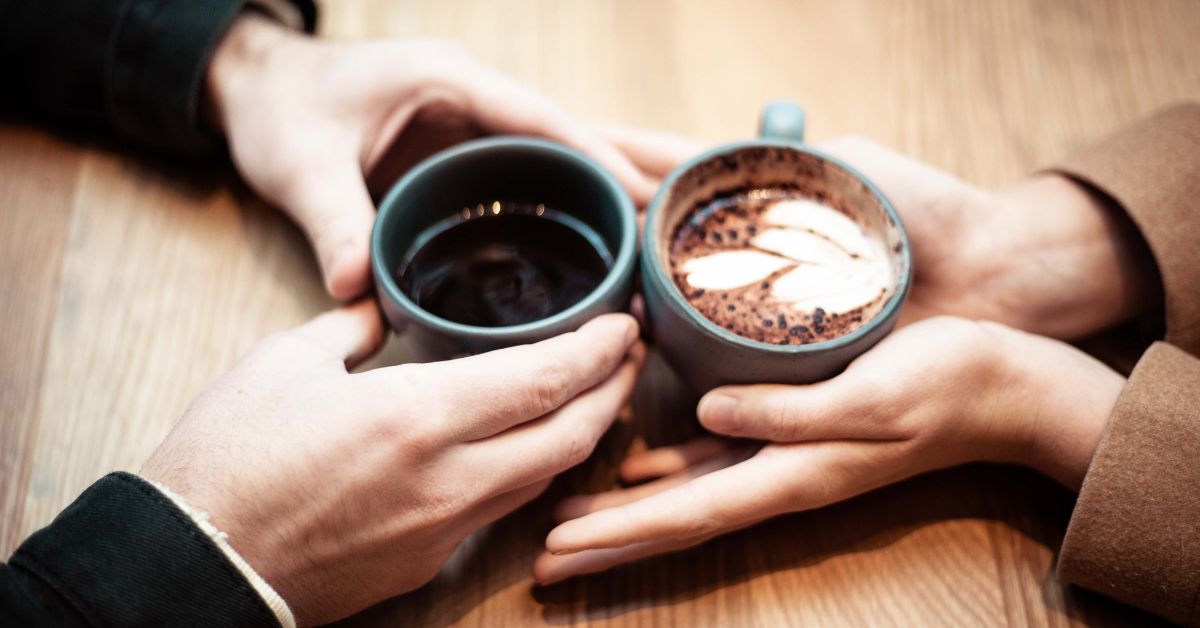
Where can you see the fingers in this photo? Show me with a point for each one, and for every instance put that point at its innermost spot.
(336, 212)
(492, 392)
(550, 568)
(580, 505)
(503, 105)
(656, 153)
(842, 408)
(546, 447)
(778, 479)
(589, 142)
(350, 333)
(664, 461)
(710, 504)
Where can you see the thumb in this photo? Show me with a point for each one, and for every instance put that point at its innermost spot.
(335, 211)
(351, 333)
(834, 409)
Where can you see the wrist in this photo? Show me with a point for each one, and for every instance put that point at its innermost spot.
(238, 63)
(200, 519)
(1055, 401)
(1066, 261)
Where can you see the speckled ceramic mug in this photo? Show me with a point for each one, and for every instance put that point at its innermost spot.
(706, 355)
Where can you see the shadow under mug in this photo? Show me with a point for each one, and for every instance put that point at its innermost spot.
(506, 169)
(706, 355)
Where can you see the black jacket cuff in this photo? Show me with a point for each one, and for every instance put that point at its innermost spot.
(135, 66)
(160, 52)
(124, 555)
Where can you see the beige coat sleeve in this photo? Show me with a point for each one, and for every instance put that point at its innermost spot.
(1135, 531)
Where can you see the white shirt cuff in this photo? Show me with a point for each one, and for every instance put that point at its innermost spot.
(269, 596)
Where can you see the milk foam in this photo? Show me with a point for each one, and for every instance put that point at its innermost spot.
(834, 264)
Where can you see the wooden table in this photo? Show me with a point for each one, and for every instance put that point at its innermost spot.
(128, 284)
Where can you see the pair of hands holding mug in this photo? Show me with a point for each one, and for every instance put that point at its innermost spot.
(976, 371)
(345, 489)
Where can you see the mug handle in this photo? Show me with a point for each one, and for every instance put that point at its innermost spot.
(782, 120)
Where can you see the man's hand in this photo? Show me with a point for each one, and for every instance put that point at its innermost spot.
(344, 489)
(1046, 256)
(305, 119)
(937, 393)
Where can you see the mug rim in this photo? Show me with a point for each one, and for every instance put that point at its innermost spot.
(623, 261)
(675, 299)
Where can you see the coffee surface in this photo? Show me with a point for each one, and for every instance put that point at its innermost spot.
(776, 266)
(503, 264)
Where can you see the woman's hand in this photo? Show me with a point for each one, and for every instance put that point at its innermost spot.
(935, 394)
(344, 489)
(1046, 256)
(306, 118)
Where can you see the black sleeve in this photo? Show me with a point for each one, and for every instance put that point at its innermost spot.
(135, 67)
(124, 554)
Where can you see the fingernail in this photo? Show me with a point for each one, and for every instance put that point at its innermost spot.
(716, 411)
(564, 552)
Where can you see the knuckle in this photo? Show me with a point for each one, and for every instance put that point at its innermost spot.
(780, 422)
(415, 428)
(872, 387)
(550, 387)
(878, 398)
(576, 450)
(409, 377)
(977, 343)
(419, 439)
(702, 520)
(386, 430)
(444, 507)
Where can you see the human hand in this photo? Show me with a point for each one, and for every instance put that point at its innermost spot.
(1045, 256)
(343, 489)
(306, 118)
(937, 393)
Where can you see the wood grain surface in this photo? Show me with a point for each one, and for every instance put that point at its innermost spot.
(128, 284)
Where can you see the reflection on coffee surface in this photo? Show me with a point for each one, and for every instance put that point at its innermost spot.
(503, 264)
(776, 266)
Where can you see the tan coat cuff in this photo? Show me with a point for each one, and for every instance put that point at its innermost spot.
(1135, 532)
(1152, 169)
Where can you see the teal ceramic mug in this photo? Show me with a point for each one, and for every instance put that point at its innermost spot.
(477, 174)
(705, 354)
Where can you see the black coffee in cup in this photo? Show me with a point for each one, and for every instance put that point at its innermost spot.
(503, 263)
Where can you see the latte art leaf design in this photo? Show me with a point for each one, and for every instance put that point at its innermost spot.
(831, 262)
(727, 270)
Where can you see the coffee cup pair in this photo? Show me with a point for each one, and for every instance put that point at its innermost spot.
(704, 353)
